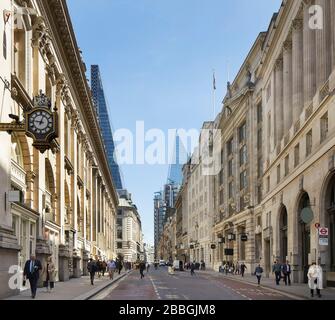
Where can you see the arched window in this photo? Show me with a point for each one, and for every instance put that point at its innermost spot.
(17, 154)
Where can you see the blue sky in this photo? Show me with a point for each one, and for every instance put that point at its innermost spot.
(156, 58)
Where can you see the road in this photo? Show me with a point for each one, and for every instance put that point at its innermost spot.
(159, 285)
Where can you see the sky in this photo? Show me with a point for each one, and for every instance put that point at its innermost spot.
(157, 59)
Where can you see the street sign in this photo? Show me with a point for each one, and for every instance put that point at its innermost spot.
(323, 232)
(323, 242)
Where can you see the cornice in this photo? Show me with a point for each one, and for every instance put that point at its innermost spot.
(59, 25)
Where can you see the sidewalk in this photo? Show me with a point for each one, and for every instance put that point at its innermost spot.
(298, 290)
(75, 289)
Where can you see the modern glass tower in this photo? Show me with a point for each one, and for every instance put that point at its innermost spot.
(100, 103)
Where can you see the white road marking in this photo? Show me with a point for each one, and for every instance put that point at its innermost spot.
(155, 288)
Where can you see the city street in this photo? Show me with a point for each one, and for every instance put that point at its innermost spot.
(159, 285)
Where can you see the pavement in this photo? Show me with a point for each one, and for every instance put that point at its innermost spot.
(74, 289)
(295, 291)
(159, 285)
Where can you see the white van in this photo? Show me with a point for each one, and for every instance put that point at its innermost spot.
(176, 264)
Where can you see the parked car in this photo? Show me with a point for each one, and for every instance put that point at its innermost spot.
(162, 263)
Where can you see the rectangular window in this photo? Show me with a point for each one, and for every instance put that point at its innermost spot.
(119, 234)
(119, 245)
(119, 212)
(243, 133)
(296, 155)
(243, 155)
(278, 174)
(268, 184)
(221, 177)
(230, 147)
(230, 190)
(243, 180)
(119, 222)
(230, 168)
(222, 156)
(242, 203)
(259, 194)
(259, 167)
(259, 140)
(259, 113)
(287, 165)
(309, 143)
(324, 127)
(221, 197)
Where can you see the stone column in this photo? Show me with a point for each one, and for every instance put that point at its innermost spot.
(86, 257)
(64, 256)
(297, 67)
(279, 112)
(323, 45)
(287, 90)
(309, 58)
(43, 252)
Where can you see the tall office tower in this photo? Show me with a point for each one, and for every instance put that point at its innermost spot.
(100, 103)
(159, 217)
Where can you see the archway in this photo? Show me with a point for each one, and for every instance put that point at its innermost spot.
(304, 235)
(283, 242)
(329, 221)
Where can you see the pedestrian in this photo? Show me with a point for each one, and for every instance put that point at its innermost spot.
(111, 266)
(148, 267)
(48, 275)
(243, 268)
(258, 273)
(103, 267)
(226, 268)
(120, 266)
(237, 270)
(315, 280)
(192, 267)
(287, 273)
(276, 269)
(92, 269)
(98, 267)
(142, 268)
(32, 273)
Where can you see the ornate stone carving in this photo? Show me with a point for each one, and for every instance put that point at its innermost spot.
(297, 24)
(279, 63)
(287, 45)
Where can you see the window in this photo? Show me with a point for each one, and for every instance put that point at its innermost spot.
(230, 168)
(242, 203)
(259, 139)
(17, 154)
(119, 222)
(243, 133)
(119, 245)
(269, 129)
(243, 155)
(278, 174)
(119, 212)
(324, 127)
(268, 92)
(268, 184)
(259, 220)
(243, 180)
(222, 156)
(296, 155)
(259, 113)
(259, 194)
(221, 197)
(287, 165)
(221, 177)
(230, 190)
(230, 147)
(259, 167)
(309, 143)
(119, 234)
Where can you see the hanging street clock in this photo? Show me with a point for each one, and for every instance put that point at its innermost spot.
(42, 123)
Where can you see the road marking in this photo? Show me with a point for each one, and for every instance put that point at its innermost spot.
(155, 288)
(185, 297)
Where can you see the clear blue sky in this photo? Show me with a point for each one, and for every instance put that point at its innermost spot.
(156, 59)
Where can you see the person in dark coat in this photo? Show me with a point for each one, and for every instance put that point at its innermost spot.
(243, 268)
(32, 273)
(120, 266)
(276, 269)
(92, 269)
(193, 267)
(142, 268)
(287, 273)
(258, 274)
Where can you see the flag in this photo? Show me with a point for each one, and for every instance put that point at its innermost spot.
(214, 81)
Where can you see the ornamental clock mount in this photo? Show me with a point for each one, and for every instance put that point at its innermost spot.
(40, 123)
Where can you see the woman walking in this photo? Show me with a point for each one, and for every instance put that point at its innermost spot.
(258, 273)
(49, 274)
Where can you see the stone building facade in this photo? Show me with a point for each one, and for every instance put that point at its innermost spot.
(68, 200)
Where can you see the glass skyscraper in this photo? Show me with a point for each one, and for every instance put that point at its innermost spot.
(100, 103)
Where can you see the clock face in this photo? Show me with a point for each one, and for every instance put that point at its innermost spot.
(40, 122)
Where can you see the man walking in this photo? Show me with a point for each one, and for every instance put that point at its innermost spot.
(142, 268)
(192, 269)
(111, 269)
(258, 273)
(32, 273)
(287, 273)
(276, 269)
(243, 268)
(120, 266)
(92, 269)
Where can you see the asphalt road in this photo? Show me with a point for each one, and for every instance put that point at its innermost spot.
(159, 285)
